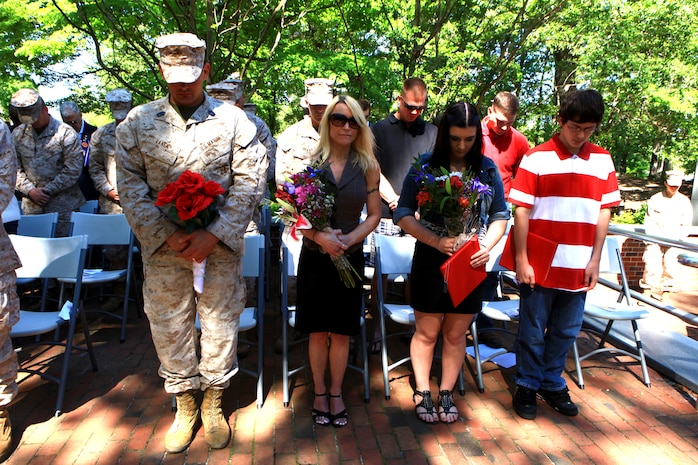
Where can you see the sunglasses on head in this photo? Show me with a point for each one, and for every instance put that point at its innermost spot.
(339, 120)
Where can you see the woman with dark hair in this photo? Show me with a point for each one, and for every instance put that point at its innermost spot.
(458, 148)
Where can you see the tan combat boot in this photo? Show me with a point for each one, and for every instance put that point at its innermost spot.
(180, 434)
(5, 435)
(216, 429)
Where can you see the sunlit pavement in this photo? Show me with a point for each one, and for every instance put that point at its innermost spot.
(119, 415)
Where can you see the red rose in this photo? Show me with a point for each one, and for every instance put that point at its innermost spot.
(212, 189)
(168, 195)
(188, 206)
(190, 182)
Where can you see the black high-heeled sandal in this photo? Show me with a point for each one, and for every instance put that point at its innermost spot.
(446, 406)
(339, 416)
(426, 404)
(321, 418)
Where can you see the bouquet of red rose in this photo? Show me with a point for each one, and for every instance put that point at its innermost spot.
(452, 194)
(306, 201)
(193, 204)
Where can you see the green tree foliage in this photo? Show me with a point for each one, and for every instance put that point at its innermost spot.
(33, 37)
(641, 54)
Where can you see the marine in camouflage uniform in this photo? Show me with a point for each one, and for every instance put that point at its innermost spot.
(103, 150)
(102, 169)
(9, 302)
(231, 90)
(158, 141)
(265, 137)
(49, 161)
(297, 143)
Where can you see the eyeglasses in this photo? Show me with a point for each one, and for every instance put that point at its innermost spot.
(417, 108)
(579, 129)
(339, 120)
(72, 122)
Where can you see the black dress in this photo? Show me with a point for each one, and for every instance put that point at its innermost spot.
(428, 292)
(323, 302)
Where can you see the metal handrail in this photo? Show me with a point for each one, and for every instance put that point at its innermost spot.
(681, 314)
(624, 231)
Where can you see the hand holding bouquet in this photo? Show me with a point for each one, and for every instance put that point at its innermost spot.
(306, 201)
(193, 204)
(454, 195)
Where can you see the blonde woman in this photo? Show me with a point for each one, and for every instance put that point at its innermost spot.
(325, 308)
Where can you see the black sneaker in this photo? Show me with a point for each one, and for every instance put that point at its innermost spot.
(560, 401)
(525, 402)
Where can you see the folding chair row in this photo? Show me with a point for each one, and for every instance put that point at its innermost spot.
(394, 256)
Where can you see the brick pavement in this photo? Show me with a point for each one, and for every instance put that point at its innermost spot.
(119, 415)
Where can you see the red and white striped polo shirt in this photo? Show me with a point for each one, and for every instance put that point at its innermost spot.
(565, 193)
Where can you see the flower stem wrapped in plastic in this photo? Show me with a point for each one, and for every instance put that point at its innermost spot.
(307, 201)
(193, 204)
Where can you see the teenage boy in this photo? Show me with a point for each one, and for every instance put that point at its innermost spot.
(564, 190)
(506, 147)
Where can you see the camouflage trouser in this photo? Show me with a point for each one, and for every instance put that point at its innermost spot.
(171, 305)
(9, 315)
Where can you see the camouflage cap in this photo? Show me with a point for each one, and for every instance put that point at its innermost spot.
(120, 103)
(181, 57)
(118, 95)
(319, 91)
(28, 103)
(230, 89)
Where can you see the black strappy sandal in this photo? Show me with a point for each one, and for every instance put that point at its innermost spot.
(321, 418)
(446, 406)
(426, 404)
(339, 416)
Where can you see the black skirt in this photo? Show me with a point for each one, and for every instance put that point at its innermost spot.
(429, 293)
(323, 302)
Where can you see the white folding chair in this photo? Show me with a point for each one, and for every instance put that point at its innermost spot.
(108, 230)
(290, 255)
(253, 266)
(612, 262)
(58, 258)
(90, 206)
(39, 225)
(394, 256)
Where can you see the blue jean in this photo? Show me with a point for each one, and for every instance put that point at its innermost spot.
(549, 321)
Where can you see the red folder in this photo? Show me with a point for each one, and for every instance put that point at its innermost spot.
(540, 254)
(459, 277)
